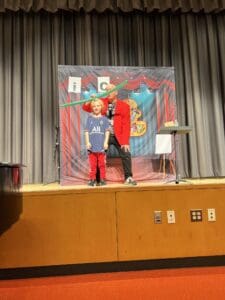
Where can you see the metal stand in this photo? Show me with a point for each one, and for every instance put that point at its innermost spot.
(174, 130)
(56, 156)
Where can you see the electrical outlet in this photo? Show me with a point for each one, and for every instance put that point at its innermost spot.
(157, 217)
(171, 217)
(196, 215)
(211, 214)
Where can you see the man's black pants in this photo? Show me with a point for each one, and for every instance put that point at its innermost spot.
(124, 155)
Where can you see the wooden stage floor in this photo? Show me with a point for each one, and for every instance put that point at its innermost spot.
(55, 186)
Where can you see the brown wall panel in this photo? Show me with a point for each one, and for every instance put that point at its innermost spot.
(140, 238)
(61, 228)
(110, 224)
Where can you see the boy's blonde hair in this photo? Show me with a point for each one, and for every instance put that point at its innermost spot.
(98, 101)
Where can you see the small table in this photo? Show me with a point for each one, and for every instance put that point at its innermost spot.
(11, 175)
(174, 130)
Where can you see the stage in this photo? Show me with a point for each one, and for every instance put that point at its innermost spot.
(53, 225)
(55, 186)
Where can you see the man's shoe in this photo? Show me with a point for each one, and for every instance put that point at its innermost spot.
(102, 182)
(130, 181)
(91, 182)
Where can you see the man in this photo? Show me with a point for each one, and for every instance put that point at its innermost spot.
(118, 113)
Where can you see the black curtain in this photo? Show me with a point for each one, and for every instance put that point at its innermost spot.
(100, 6)
(33, 44)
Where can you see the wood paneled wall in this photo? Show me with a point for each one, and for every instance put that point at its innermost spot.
(110, 224)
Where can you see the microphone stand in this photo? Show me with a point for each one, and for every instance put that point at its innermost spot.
(56, 156)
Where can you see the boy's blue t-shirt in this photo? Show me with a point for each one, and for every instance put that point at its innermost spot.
(97, 126)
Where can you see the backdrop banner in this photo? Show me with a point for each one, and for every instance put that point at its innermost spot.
(150, 92)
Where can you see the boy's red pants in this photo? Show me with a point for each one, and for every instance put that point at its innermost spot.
(96, 159)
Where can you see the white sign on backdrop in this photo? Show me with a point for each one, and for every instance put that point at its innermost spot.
(102, 83)
(163, 144)
(74, 85)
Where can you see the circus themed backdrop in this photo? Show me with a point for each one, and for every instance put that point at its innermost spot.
(150, 92)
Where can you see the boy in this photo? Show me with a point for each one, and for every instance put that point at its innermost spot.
(96, 139)
(118, 114)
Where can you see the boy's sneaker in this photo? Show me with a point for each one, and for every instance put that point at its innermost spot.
(91, 182)
(130, 181)
(102, 182)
